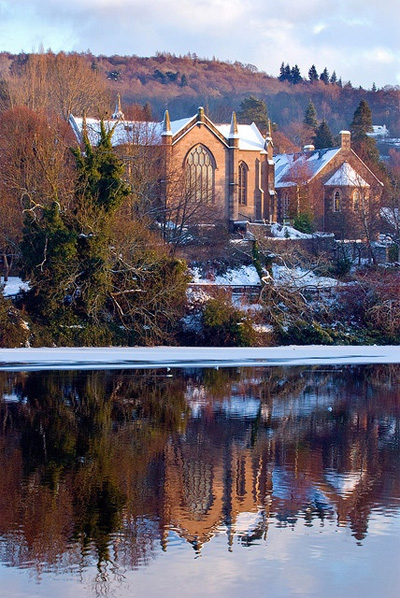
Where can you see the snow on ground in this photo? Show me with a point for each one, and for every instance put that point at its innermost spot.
(61, 358)
(13, 286)
(242, 276)
(298, 277)
(283, 231)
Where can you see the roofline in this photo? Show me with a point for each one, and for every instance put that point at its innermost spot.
(367, 167)
(192, 123)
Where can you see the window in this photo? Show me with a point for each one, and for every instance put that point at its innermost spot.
(356, 200)
(285, 205)
(243, 170)
(200, 174)
(337, 201)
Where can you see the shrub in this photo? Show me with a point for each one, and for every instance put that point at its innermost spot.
(226, 326)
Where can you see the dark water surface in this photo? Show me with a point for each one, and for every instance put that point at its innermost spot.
(261, 482)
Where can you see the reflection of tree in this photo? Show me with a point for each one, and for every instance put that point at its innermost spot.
(80, 464)
(100, 465)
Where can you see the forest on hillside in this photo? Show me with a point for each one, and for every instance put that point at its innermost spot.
(182, 83)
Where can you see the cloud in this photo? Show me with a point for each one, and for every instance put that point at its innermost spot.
(332, 33)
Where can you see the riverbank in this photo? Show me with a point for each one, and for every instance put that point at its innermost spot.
(59, 358)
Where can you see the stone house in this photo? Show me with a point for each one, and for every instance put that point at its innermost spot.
(333, 185)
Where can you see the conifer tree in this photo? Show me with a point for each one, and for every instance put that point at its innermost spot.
(324, 76)
(333, 78)
(361, 124)
(295, 76)
(323, 137)
(312, 74)
(310, 116)
(253, 109)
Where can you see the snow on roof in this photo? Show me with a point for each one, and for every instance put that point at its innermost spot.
(250, 137)
(305, 165)
(149, 133)
(125, 131)
(346, 176)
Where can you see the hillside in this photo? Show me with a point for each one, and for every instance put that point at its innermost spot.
(183, 83)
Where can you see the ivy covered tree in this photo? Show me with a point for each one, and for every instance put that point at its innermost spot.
(97, 276)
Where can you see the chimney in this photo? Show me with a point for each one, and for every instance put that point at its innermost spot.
(345, 140)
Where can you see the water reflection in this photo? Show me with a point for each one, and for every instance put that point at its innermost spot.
(112, 467)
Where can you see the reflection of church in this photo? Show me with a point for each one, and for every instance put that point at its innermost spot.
(236, 475)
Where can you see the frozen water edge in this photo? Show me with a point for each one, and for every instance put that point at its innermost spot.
(62, 358)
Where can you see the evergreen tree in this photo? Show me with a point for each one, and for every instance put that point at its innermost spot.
(373, 88)
(253, 109)
(310, 116)
(324, 76)
(333, 78)
(295, 75)
(282, 75)
(312, 74)
(323, 137)
(361, 124)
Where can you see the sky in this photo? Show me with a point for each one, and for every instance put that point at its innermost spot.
(359, 39)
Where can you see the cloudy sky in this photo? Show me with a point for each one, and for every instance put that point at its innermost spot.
(359, 39)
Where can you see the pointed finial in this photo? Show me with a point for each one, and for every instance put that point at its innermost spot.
(118, 114)
(233, 132)
(166, 126)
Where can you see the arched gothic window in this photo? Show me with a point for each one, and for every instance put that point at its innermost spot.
(285, 205)
(337, 201)
(200, 174)
(243, 170)
(356, 200)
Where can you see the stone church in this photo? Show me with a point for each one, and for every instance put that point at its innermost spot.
(227, 166)
(230, 169)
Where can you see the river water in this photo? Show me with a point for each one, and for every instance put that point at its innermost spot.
(268, 482)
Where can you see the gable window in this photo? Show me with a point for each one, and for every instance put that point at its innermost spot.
(285, 205)
(243, 170)
(200, 174)
(356, 200)
(337, 201)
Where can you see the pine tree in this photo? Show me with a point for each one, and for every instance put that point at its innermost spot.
(282, 76)
(323, 137)
(333, 78)
(324, 76)
(312, 74)
(310, 116)
(253, 109)
(295, 75)
(361, 124)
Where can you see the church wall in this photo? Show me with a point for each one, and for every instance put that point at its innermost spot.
(200, 133)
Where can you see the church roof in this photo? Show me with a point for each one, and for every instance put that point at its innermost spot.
(346, 176)
(291, 168)
(150, 133)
